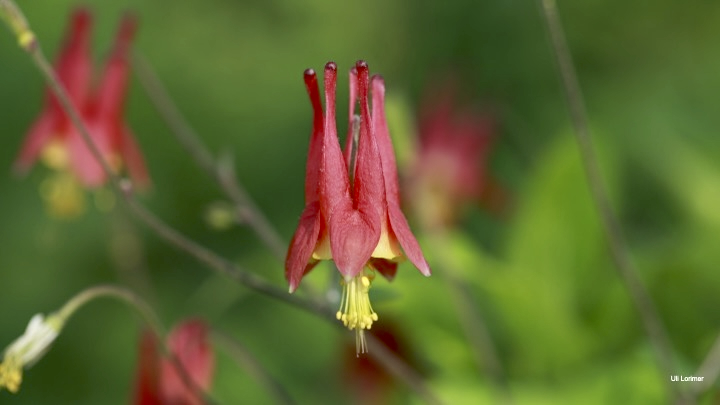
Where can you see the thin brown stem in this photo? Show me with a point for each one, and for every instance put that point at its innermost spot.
(223, 174)
(709, 369)
(471, 320)
(245, 360)
(13, 16)
(478, 337)
(651, 320)
(119, 293)
(221, 265)
(388, 360)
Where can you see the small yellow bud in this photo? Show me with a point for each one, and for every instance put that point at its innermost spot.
(15, 20)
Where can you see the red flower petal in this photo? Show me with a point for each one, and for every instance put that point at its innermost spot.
(382, 136)
(188, 342)
(334, 182)
(74, 64)
(148, 371)
(368, 188)
(111, 92)
(303, 244)
(353, 237)
(73, 67)
(39, 134)
(385, 267)
(407, 240)
(84, 164)
(398, 223)
(133, 159)
(351, 116)
(354, 223)
(314, 161)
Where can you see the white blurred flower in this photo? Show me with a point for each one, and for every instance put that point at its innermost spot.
(28, 349)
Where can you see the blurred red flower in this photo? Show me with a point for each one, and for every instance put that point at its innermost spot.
(54, 139)
(159, 380)
(449, 170)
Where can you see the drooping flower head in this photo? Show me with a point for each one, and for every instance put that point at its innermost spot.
(352, 213)
(449, 170)
(159, 378)
(53, 138)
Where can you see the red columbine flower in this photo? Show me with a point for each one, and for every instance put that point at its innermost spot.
(352, 213)
(158, 378)
(55, 140)
(449, 169)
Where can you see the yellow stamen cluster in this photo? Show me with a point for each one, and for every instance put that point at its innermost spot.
(11, 374)
(355, 312)
(55, 155)
(63, 194)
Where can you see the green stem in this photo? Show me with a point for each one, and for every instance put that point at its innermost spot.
(649, 315)
(119, 293)
(223, 174)
(245, 360)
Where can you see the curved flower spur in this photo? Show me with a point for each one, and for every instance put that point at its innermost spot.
(352, 213)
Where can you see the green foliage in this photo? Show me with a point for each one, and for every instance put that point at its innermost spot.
(541, 278)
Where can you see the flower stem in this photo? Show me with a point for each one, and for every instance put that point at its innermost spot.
(119, 293)
(710, 369)
(652, 322)
(476, 331)
(245, 360)
(392, 363)
(221, 171)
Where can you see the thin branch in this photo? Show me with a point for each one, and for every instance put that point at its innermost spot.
(709, 369)
(120, 293)
(386, 358)
(27, 40)
(649, 315)
(478, 336)
(222, 266)
(245, 360)
(471, 321)
(223, 174)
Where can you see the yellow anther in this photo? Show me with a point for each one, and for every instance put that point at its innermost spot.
(55, 155)
(26, 350)
(10, 374)
(355, 311)
(63, 195)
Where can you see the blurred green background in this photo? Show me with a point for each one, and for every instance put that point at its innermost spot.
(541, 276)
